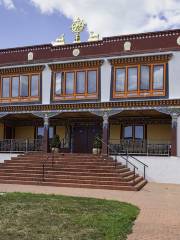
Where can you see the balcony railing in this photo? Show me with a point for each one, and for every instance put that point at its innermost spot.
(20, 145)
(141, 147)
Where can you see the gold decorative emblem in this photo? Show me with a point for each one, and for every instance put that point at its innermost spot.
(76, 52)
(127, 46)
(178, 40)
(59, 41)
(93, 37)
(77, 27)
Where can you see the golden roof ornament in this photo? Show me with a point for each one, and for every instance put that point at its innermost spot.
(93, 36)
(59, 41)
(77, 27)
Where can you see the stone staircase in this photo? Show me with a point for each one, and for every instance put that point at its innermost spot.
(69, 170)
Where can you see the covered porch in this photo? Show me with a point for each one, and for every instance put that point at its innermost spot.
(141, 132)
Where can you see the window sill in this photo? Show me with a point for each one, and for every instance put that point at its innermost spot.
(19, 99)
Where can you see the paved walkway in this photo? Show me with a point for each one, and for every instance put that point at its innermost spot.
(159, 218)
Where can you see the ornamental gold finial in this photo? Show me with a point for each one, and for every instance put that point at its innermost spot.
(77, 27)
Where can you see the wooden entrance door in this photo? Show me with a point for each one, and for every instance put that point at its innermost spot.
(9, 132)
(84, 138)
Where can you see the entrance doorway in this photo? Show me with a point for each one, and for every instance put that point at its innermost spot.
(84, 137)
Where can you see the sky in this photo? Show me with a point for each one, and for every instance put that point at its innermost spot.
(31, 22)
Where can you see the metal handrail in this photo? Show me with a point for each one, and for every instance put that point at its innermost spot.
(138, 160)
(144, 165)
(125, 158)
(149, 147)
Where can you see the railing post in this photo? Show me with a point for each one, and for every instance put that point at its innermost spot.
(127, 157)
(144, 172)
(134, 174)
(46, 134)
(11, 145)
(26, 145)
(115, 160)
(105, 134)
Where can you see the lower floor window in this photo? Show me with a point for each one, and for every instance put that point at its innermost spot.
(133, 132)
(40, 132)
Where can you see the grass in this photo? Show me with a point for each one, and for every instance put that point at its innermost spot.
(25, 216)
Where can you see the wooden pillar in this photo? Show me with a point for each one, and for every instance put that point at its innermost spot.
(46, 134)
(72, 138)
(174, 135)
(105, 134)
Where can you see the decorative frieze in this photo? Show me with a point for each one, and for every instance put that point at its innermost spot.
(21, 70)
(76, 107)
(86, 64)
(141, 59)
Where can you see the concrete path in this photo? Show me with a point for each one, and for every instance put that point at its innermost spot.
(159, 218)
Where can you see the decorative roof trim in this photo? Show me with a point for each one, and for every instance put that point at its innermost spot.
(21, 70)
(158, 34)
(141, 59)
(71, 46)
(81, 64)
(89, 106)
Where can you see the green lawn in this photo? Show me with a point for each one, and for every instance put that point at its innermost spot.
(25, 216)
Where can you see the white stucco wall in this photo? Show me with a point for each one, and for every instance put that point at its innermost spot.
(160, 169)
(174, 76)
(105, 81)
(178, 136)
(46, 85)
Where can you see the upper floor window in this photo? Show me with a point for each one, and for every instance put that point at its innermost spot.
(20, 86)
(139, 80)
(76, 84)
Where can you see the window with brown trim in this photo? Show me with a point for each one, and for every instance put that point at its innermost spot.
(75, 84)
(24, 87)
(139, 80)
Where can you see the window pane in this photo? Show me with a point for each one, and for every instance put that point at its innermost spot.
(158, 77)
(92, 81)
(128, 132)
(59, 80)
(40, 132)
(80, 82)
(132, 79)
(5, 87)
(15, 86)
(51, 132)
(35, 85)
(24, 86)
(69, 83)
(139, 132)
(145, 77)
(120, 79)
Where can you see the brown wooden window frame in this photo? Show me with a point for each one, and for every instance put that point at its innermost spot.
(133, 131)
(75, 95)
(139, 92)
(20, 98)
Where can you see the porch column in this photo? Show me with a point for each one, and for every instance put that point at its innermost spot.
(174, 135)
(46, 134)
(105, 133)
(72, 138)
